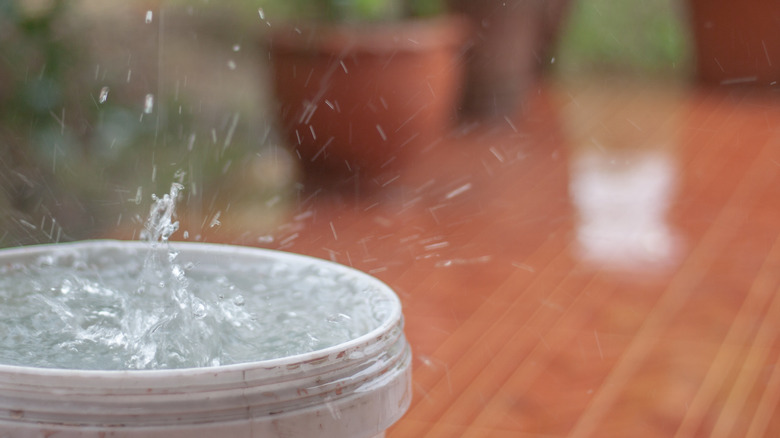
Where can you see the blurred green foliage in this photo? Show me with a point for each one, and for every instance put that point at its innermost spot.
(32, 60)
(36, 61)
(644, 38)
(73, 165)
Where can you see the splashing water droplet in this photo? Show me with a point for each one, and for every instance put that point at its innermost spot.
(215, 220)
(148, 17)
(159, 226)
(103, 95)
(149, 103)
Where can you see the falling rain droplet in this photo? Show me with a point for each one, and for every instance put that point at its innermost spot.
(103, 95)
(381, 132)
(261, 13)
(148, 17)
(191, 143)
(236, 47)
(231, 64)
(149, 103)
(138, 196)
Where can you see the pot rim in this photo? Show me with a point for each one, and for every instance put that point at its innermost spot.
(408, 35)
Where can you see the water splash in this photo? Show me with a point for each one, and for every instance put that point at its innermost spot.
(103, 95)
(156, 309)
(161, 224)
(82, 305)
(149, 103)
(177, 329)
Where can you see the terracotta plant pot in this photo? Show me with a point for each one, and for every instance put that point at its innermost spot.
(508, 50)
(736, 42)
(361, 100)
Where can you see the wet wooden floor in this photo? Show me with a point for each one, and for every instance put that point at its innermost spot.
(606, 266)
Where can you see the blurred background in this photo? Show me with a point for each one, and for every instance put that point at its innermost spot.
(103, 104)
(575, 200)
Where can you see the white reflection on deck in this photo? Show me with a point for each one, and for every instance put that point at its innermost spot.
(622, 201)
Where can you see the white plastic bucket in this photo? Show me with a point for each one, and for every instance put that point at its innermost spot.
(355, 389)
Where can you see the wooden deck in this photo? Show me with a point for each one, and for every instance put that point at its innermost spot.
(606, 266)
